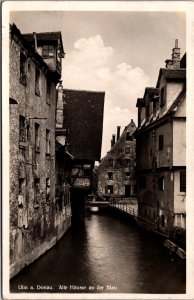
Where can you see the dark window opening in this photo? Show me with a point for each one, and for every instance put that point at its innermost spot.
(127, 162)
(161, 183)
(110, 175)
(109, 189)
(87, 172)
(127, 175)
(47, 51)
(129, 137)
(36, 192)
(142, 182)
(183, 181)
(37, 82)
(162, 221)
(22, 129)
(161, 142)
(127, 190)
(47, 190)
(47, 141)
(23, 68)
(37, 136)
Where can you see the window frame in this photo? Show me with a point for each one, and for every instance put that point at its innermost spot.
(46, 51)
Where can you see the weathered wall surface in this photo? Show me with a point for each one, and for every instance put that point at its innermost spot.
(122, 168)
(32, 169)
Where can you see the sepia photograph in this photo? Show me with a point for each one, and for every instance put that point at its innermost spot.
(97, 149)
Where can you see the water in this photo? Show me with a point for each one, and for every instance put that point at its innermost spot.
(107, 255)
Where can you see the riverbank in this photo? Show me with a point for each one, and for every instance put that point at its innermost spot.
(129, 213)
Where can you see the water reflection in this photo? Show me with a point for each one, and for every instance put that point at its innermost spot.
(107, 252)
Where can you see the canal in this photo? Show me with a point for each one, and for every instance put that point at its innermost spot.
(106, 255)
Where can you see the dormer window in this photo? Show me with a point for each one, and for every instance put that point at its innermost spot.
(47, 51)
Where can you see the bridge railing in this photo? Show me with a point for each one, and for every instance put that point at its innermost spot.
(125, 207)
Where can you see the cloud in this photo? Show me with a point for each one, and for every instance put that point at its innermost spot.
(91, 65)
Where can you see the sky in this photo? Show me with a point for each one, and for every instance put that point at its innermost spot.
(119, 53)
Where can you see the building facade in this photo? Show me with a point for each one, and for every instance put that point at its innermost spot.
(116, 172)
(160, 148)
(79, 125)
(35, 70)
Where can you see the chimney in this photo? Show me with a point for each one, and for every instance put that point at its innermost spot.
(176, 56)
(118, 132)
(113, 140)
(35, 41)
(174, 63)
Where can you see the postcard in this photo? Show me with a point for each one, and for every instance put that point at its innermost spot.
(97, 149)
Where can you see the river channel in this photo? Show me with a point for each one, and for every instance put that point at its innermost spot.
(106, 255)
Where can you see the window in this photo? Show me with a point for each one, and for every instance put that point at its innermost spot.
(162, 97)
(36, 192)
(22, 129)
(183, 181)
(142, 182)
(161, 142)
(47, 51)
(127, 162)
(127, 190)
(110, 189)
(129, 137)
(48, 91)
(127, 150)
(161, 183)
(110, 175)
(23, 68)
(37, 82)
(127, 175)
(47, 141)
(119, 162)
(37, 136)
(21, 186)
(110, 162)
(87, 172)
(47, 190)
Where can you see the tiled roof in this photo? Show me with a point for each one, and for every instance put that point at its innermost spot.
(44, 36)
(171, 74)
(83, 116)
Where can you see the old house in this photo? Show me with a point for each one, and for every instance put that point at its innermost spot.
(35, 70)
(82, 120)
(161, 146)
(117, 169)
